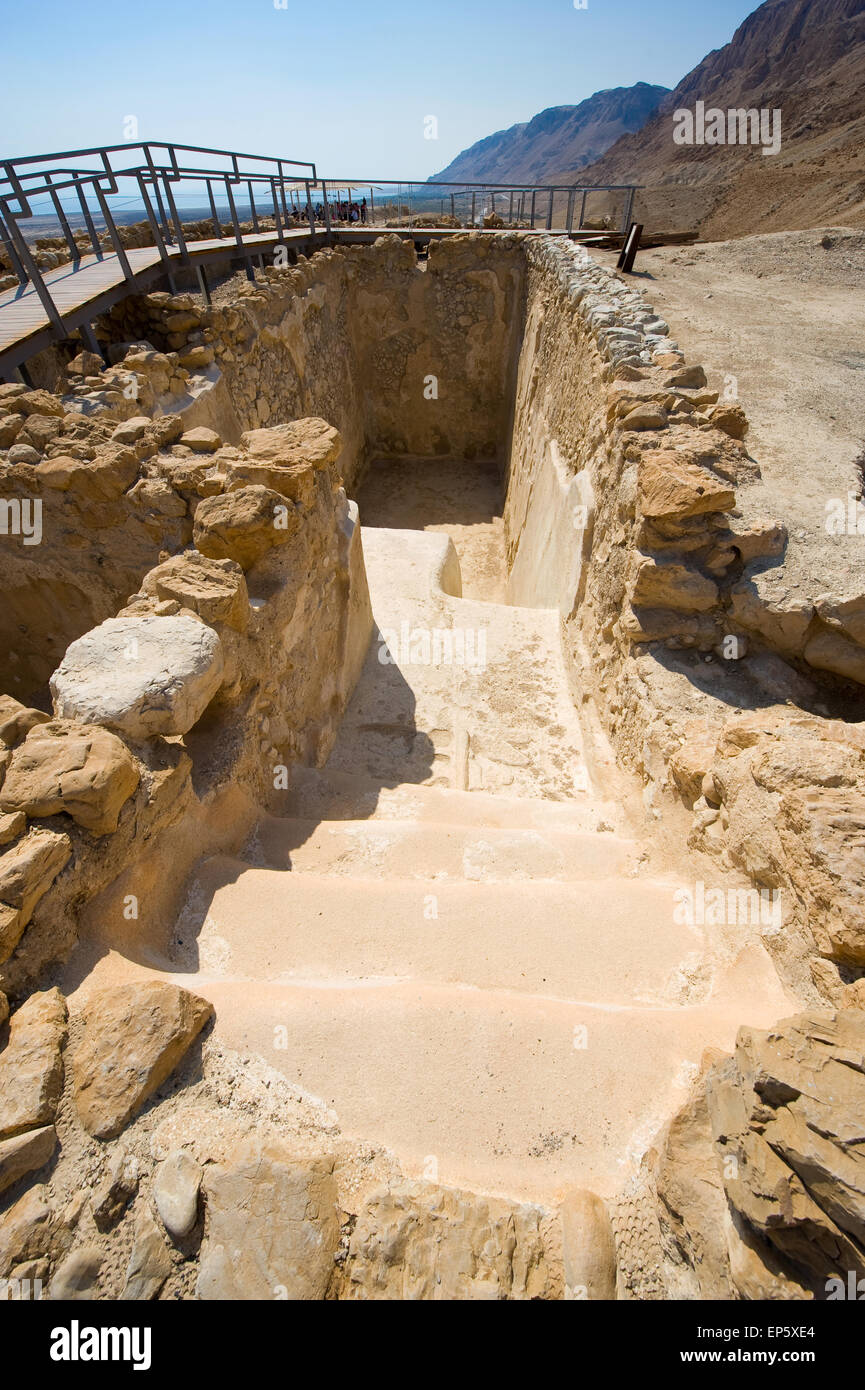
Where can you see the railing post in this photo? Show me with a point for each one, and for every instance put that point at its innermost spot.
(583, 208)
(34, 274)
(326, 206)
(628, 208)
(112, 232)
(154, 225)
(6, 238)
(88, 219)
(309, 208)
(534, 196)
(570, 221)
(550, 211)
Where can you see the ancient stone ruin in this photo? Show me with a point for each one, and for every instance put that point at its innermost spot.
(431, 851)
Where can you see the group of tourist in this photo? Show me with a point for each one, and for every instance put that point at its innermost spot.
(340, 211)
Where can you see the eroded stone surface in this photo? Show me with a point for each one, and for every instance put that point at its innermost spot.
(134, 1036)
(140, 675)
(63, 766)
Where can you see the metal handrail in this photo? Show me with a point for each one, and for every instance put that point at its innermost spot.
(161, 166)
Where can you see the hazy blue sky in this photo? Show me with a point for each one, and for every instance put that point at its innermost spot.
(346, 83)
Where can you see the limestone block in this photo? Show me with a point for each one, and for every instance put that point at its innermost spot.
(244, 525)
(134, 1036)
(271, 1225)
(214, 589)
(310, 440)
(670, 485)
(82, 770)
(832, 651)
(24, 1153)
(27, 871)
(671, 585)
(31, 1064)
(149, 1263)
(201, 440)
(141, 676)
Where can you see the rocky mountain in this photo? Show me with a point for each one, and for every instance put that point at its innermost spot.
(562, 137)
(803, 58)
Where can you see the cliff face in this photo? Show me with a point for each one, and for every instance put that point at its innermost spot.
(804, 58)
(562, 137)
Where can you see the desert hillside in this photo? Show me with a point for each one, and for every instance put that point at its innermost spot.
(803, 57)
(560, 137)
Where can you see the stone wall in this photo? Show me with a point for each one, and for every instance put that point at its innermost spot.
(621, 511)
(405, 357)
(176, 719)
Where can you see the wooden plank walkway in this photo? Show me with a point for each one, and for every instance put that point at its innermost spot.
(76, 289)
(81, 292)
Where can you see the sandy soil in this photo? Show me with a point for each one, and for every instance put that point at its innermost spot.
(780, 321)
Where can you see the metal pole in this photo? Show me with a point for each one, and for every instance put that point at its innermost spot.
(473, 207)
(550, 212)
(371, 206)
(583, 209)
(570, 222)
(309, 209)
(534, 195)
(511, 211)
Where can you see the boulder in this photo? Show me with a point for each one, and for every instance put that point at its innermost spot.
(175, 1192)
(308, 441)
(272, 1227)
(12, 824)
(27, 871)
(201, 440)
(133, 1037)
(832, 651)
(296, 482)
(17, 720)
(786, 1113)
(31, 1064)
(671, 585)
(29, 1230)
(645, 417)
(671, 486)
(141, 676)
(24, 1153)
(82, 770)
(214, 589)
(419, 1241)
(77, 1278)
(149, 1263)
(244, 525)
(116, 1190)
(730, 418)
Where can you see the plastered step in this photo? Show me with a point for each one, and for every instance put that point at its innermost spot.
(404, 849)
(329, 794)
(494, 1091)
(454, 691)
(609, 940)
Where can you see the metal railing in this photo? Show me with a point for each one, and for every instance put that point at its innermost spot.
(545, 207)
(154, 179)
(76, 185)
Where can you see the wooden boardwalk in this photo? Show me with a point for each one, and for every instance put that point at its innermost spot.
(84, 290)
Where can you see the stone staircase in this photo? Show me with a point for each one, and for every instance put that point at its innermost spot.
(452, 938)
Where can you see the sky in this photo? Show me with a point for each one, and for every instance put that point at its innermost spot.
(349, 84)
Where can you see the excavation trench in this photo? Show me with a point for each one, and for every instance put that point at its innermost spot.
(456, 928)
